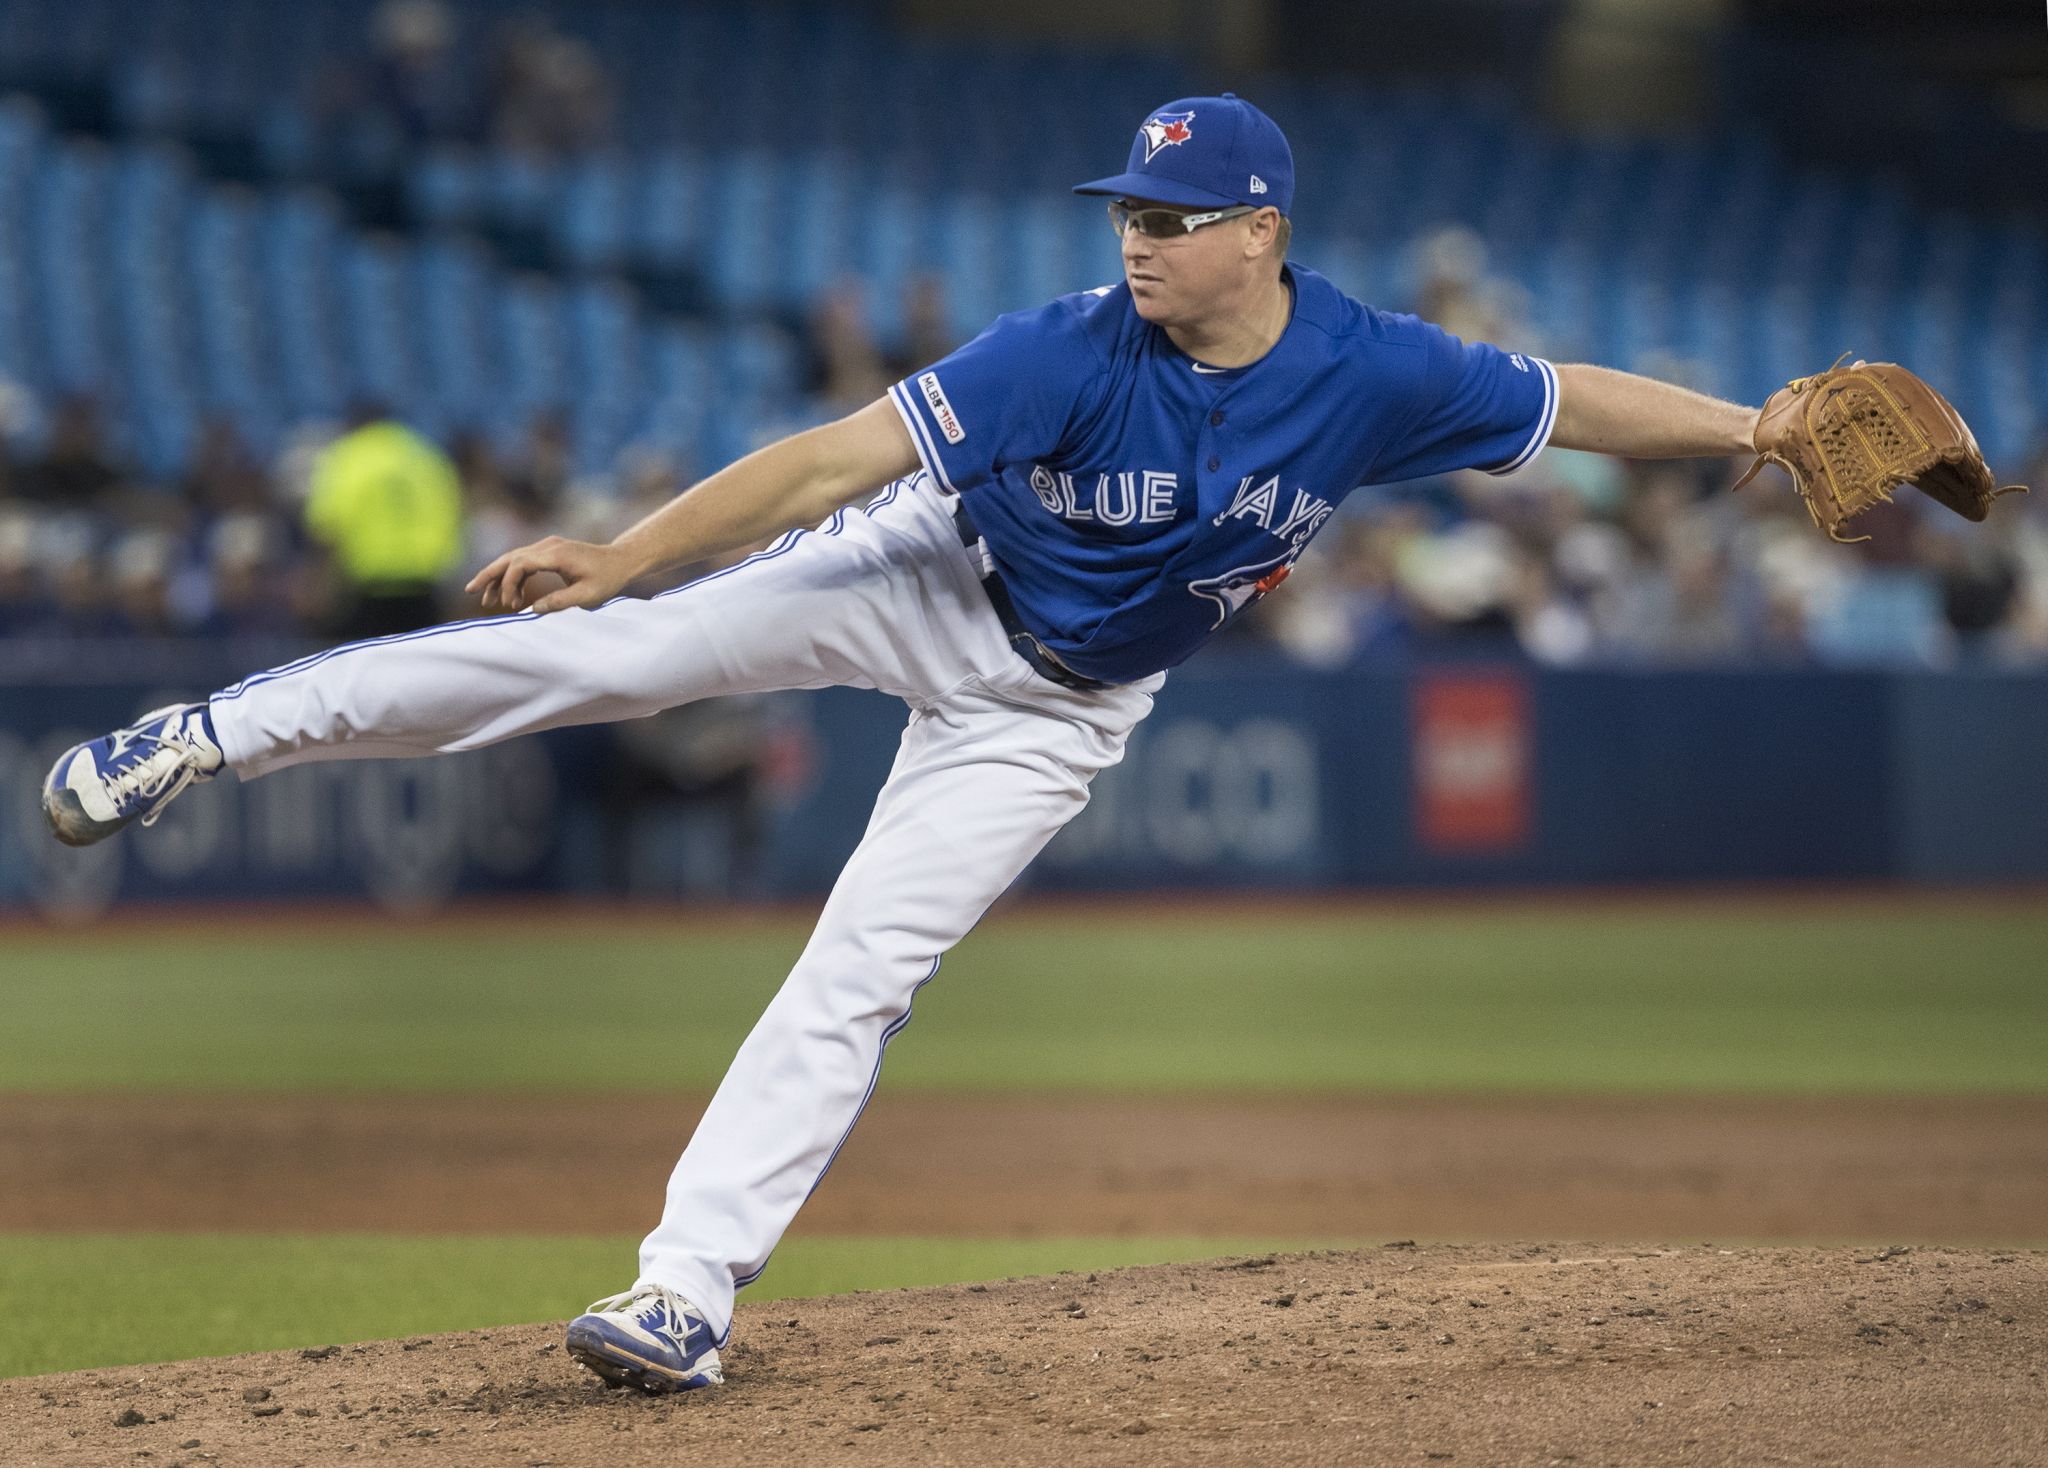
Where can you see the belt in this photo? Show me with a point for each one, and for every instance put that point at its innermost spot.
(1042, 659)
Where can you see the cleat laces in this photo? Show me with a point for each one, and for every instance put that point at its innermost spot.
(665, 1309)
(153, 778)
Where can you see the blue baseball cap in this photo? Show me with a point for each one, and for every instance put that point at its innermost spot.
(1206, 153)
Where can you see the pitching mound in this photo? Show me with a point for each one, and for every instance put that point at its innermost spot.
(1495, 1354)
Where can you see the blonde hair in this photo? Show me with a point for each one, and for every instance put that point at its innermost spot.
(1282, 237)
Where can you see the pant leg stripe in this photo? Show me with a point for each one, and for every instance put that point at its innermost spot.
(894, 1029)
(782, 546)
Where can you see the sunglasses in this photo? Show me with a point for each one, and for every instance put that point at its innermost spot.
(1167, 224)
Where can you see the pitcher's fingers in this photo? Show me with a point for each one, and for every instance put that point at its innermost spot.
(494, 596)
(521, 564)
(495, 571)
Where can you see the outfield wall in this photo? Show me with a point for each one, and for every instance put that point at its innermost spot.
(1452, 775)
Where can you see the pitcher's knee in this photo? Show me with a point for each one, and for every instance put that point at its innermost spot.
(851, 982)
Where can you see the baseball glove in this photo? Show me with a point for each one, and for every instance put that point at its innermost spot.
(1850, 435)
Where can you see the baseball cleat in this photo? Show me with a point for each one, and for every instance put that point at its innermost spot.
(99, 786)
(650, 1338)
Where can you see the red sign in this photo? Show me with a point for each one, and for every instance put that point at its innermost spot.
(1472, 762)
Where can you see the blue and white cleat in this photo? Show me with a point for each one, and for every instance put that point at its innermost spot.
(99, 786)
(650, 1338)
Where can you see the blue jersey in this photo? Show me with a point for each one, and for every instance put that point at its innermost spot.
(1134, 499)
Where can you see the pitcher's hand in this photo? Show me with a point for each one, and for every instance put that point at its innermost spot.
(552, 574)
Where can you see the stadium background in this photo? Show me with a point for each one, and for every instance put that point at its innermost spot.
(588, 251)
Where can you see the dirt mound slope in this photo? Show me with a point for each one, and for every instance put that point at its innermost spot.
(1479, 1354)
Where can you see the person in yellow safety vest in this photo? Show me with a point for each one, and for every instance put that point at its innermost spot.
(387, 504)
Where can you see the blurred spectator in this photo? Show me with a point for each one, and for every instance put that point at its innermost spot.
(1454, 290)
(388, 506)
(514, 517)
(1886, 610)
(847, 370)
(710, 764)
(23, 606)
(19, 411)
(78, 600)
(549, 463)
(2023, 642)
(76, 472)
(700, 761)
(364, 113)
(139, 573)
(1680, 612)
(476, 466)
(648, 479)
(547, 93)
(1980, 582)
(928, 333)
(1549, 625)
(1783, 639)
(1341, 604)
(1639, 590)
(224, 477)
(511, 504)
(415, 82)
(248, 594)
(1458, 584)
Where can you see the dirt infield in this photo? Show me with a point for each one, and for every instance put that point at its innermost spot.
(1465, 1355)
(1689, 1354)
(1952, 1171)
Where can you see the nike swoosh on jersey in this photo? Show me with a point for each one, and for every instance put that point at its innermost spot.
(1207, 371)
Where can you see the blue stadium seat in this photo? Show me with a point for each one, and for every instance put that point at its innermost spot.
(453, 285)
(597, 204)
(448, 186)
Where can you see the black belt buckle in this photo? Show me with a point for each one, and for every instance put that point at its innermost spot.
(1026, 643)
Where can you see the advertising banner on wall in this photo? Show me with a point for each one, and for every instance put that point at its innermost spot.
(1474, 761)
(1243, 777)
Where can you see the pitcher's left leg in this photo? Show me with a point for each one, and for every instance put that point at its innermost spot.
(978, 788)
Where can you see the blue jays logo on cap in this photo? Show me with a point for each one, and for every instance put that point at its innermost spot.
(1164, 130)
(1205, 153)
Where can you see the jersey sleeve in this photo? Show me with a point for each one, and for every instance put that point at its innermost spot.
(1480, 408)
(1006, 396)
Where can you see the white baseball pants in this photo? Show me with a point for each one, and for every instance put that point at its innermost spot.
(994, 761)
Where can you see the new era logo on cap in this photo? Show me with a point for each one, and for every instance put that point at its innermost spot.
(1258, 184)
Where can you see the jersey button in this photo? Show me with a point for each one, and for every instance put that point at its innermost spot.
(1214, 463)
(1216, 419)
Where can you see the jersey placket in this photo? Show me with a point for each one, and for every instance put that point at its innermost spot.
(1213, 448)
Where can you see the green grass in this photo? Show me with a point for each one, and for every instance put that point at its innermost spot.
(1678, 996)
(1674, 996)
(74, 1301)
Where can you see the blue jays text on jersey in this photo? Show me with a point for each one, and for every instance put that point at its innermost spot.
(1134, 499)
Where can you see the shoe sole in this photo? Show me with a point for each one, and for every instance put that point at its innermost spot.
(618, 1366)
(66, 813)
